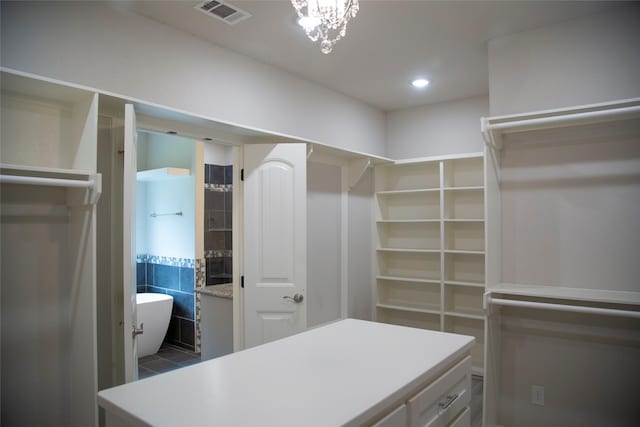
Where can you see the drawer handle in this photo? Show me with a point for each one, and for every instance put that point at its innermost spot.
(444, 404)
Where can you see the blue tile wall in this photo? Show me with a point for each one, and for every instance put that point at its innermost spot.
(175, 277)
(218, 223)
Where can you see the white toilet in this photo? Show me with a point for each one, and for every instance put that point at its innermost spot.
(154, 311)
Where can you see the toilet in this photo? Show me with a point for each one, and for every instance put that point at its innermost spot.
(154, 312)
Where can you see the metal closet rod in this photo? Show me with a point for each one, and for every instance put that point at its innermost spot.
(154, 215)
(563, 307)
(53, 182)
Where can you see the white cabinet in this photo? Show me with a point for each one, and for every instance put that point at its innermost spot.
(49, 190)
(430, 247)
(348, 373)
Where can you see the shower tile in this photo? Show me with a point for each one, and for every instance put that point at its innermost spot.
(217, 174)
(166, 276)
(187, 332)
(141, 270)
(228, 174)
(173, 332)
(228, 200)
(186, 279)
(217, 200)
(183, 304)
(207, 171)
(228, 240)
(228, 220)
(155, 290)
(149, 275)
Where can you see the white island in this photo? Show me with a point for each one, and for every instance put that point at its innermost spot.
(351, 372)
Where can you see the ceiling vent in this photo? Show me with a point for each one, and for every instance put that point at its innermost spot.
(223, 11)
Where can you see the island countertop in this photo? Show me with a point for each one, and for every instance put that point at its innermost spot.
(339, 374)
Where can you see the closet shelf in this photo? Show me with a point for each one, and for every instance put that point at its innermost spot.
(406, 221)
(462, 251)
(423, 251)
(464, 220)
(559, 292)
(162, 174)
(471, 188)
(466, 314)
(53, 177)
(459, 283)
(414, 191)
(493, 128)
(408, 308)
(408, 279)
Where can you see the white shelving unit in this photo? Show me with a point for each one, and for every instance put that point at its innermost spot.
(563, 234)
(430, 253)
(49, 189)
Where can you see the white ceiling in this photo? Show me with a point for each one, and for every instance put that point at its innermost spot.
(387, 44)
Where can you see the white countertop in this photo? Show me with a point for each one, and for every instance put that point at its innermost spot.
(339, 374)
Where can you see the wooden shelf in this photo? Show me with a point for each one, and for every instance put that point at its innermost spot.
(466, 314)
(407, 308)
(408, 279)
(424, 251)
(406, 221)
(472, 188)
(469, 284)
(463, 220)
(416, 191)
(162, 174)
(457, 251)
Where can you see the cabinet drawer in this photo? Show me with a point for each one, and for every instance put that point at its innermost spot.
(440, 402)
(463, 420)
(398, 418)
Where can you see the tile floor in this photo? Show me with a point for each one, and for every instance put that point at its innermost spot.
(168, 358)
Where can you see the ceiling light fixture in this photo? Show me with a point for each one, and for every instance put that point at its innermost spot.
(420, 83)
(325, 20)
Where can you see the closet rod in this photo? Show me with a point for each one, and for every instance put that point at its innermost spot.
(54, 182)
(566, 119)
(562, 307)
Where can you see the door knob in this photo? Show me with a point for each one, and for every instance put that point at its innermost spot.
(297, 298)
(137, 331)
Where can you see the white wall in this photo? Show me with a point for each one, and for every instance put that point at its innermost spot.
(588, 60)
(360, 275)
(438, 129)
(324, 258)
(217, 154)
(172, 236)
(100, 46)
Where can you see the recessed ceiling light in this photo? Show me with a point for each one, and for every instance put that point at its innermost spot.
(420, 83)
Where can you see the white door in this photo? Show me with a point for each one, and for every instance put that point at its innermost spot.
(275, 246)
(129, 245)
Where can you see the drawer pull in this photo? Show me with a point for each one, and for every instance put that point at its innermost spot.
(444, 404)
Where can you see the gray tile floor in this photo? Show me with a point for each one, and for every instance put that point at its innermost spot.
(167, 359)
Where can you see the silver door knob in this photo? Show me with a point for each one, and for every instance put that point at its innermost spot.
(297, 298)
(137, 331)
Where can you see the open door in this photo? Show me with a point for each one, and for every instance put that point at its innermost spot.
(275, 246)
(129, 245)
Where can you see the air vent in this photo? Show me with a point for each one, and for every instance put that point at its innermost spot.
(223, 11)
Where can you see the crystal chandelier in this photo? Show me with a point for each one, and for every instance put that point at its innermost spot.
(325, 20)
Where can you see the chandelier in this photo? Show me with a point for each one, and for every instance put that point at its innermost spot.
(325, 20)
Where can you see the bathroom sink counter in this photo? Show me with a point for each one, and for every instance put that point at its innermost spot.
(224, 290)
(350, 372)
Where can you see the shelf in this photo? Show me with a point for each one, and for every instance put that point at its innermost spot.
(410, 265)
(471, 314)
(423, 251)
(469, 284)
(407, 221)
(416, 191)
(53, 177)
(409, 205)
(464, 236)
(407, 308)
(464, 204)
(162, 174)
(407, 279)
(464, 220)
(412, 319)
(473, 188)
(576, 294)
(457, 251)
(466, 173)
(494, 128)
(408, 176)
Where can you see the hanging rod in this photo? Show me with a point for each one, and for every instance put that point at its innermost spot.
(54, 182)
(562, 307)
(154, 215)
